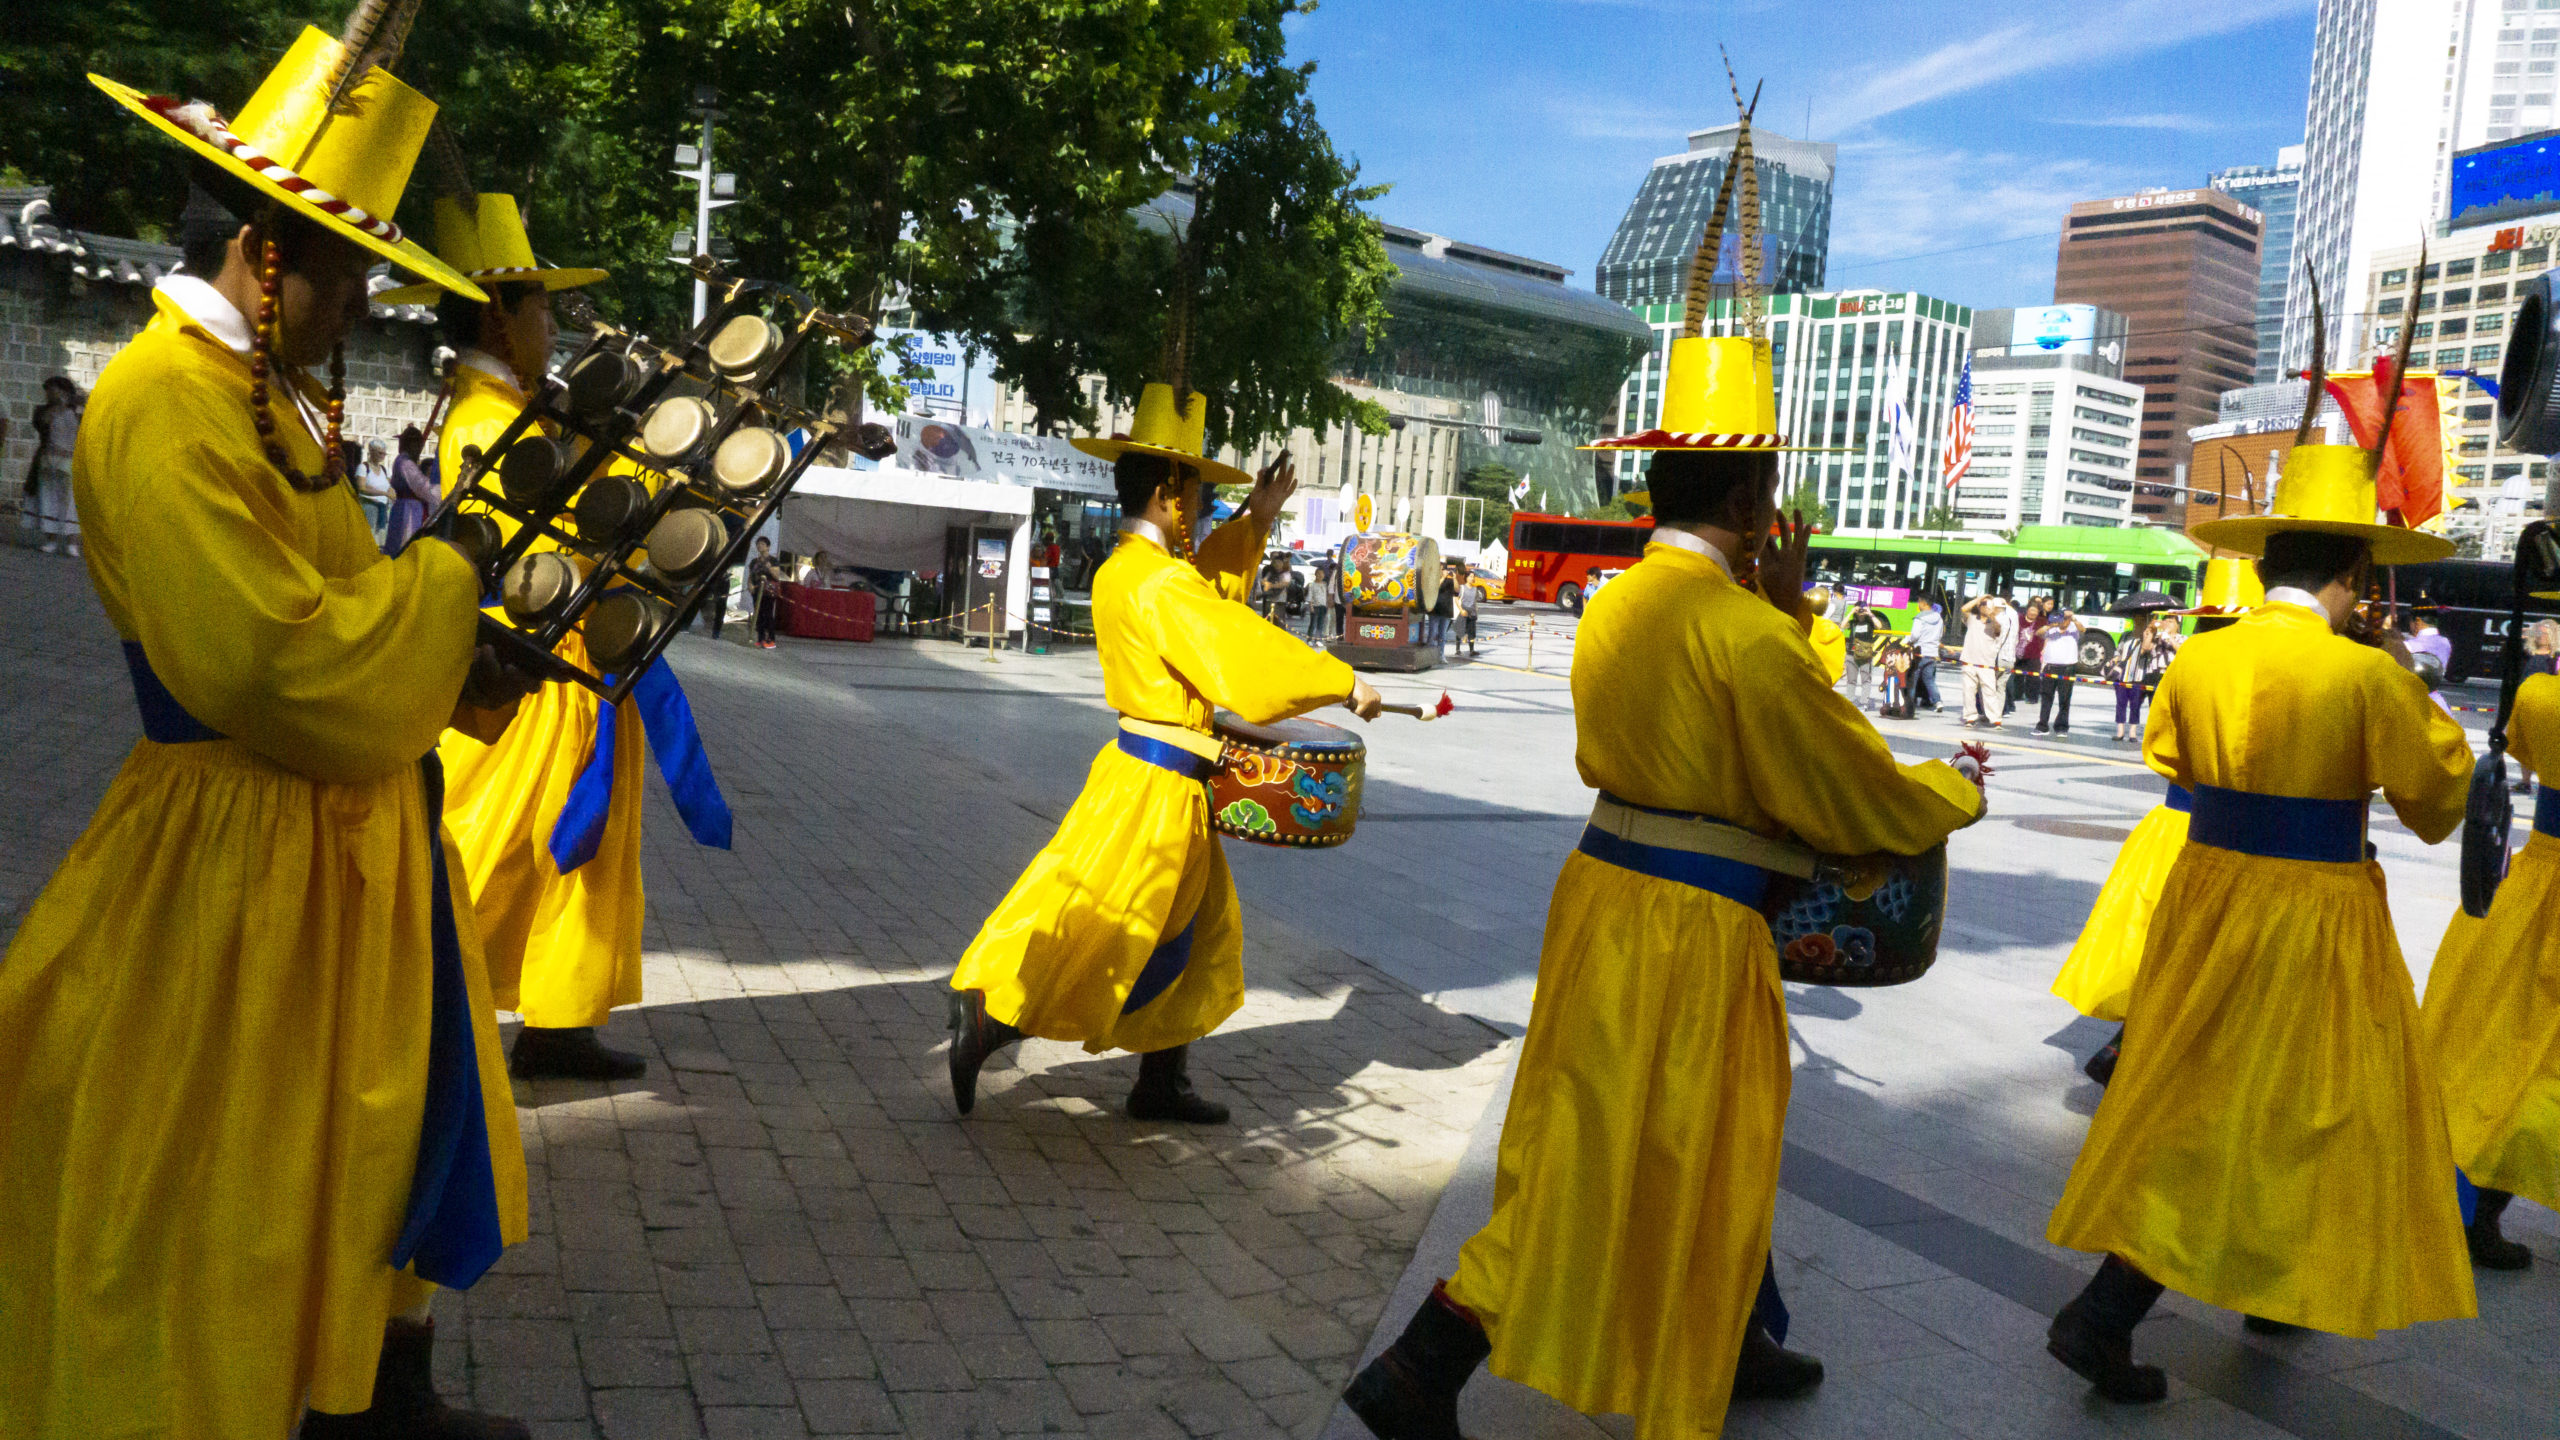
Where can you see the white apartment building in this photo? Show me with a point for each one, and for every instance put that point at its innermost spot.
(2377, 143)
(2052, 445)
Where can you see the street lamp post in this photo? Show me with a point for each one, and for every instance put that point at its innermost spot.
(711, 192)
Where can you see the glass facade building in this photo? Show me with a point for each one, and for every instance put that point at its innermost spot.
(2273, 191)
(1647, 260)
(1833, 356)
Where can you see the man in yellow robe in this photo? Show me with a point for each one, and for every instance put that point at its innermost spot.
(548, 817)
(2273, 1141)
(251, 1100)
(1124, 934)
(1638, 1171)
(2490, 1017)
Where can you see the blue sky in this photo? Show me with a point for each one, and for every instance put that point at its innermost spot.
(1527, 124)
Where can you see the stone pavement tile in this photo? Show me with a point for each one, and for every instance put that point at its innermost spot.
(652, 1414)
(753, 1422)
(848, 1407)
(1849, 1327)
(609, 1361)
(1850, 1254)
(2472, 1402)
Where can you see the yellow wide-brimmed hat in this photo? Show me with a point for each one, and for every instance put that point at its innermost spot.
(1176, 432)
(484, 238)
(2231, 587)
(1717, 394)
(342, 169)
(2328, 490)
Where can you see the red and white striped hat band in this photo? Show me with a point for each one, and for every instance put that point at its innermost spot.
(1690, 440)
(206, 124)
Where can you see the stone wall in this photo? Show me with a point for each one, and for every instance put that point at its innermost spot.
(52, 322)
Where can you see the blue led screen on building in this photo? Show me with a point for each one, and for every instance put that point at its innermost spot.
(2510, 180)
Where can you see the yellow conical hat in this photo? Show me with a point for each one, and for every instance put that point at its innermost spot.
(341, 169)
(1177, 432)
(1717, 394)
(2230, 587)
(484, 238)
(2326, 489)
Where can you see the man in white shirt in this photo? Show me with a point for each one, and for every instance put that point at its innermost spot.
(1987, 632)
(1928, 633)
(2061, 664)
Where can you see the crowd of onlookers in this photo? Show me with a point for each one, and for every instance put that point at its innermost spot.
(1312, 598)
(2006, 656)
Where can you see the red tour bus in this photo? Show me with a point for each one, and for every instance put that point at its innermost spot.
(1552, 556)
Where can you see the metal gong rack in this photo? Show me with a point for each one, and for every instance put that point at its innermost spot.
(703, 415)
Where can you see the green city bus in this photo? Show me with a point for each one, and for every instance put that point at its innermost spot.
(2086, 568)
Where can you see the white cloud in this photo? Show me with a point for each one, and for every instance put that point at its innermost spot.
(2059, 35)
(1976, 227)
(2184, 124)
(1590, 118)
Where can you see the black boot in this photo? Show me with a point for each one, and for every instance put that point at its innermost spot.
(2261, 1325)
(405, 1403)
(2491, 1250)
(2094, 1335)
(975, 1037)
(1411, 1391)
(570, 1053)
(1164, 1092)
(1767, 1371)
(2102, 1066)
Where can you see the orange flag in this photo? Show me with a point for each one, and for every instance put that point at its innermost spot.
(2410, 487)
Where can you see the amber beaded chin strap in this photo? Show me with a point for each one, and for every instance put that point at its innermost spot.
(1185, 484)
(262, 349)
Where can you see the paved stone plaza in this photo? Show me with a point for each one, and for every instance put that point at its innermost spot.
(783, 1230)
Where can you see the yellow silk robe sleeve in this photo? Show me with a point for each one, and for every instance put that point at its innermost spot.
(1232, 556)
(2535, 723)
(339, 677)
(1235, 658)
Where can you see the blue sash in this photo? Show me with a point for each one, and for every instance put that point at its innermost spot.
(2180, 799)
(1732, 879)
(666, 717)
(164, 720)
(450, 1228)
(2278, 827)
(2546, 811)
(1166, 756)
(1165, 966)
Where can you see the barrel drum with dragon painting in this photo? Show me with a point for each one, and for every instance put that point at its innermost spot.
(1295, 783)
(1391, 572)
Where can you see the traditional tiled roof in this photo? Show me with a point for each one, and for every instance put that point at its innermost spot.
(27, 224)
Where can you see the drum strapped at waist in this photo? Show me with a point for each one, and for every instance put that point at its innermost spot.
(1700, 835)
(1187, 753)
(2278, 827)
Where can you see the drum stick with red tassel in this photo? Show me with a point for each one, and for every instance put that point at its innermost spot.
(1419, 713)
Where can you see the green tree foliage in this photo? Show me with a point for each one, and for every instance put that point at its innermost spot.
(1264, 249)
(1806, 500)
(1942, 516)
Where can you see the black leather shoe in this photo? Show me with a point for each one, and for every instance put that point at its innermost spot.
(1411, 1391)
(2104, 1360)
(572, 1053)
(2102, 1066)
(2490, 1248)
(2261, 1325)
(1767, 1371)
(405, 1404)
(975, 1038)
(1164, 1092)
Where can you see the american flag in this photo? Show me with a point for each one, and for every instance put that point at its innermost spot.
(1959, 446)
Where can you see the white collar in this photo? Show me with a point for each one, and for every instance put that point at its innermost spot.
(1694, 544)
(2289, 595)
(491, 366)
(1147, 530)
(206, 306)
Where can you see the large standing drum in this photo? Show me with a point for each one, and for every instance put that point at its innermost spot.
(1391, 572)
(1296, 783)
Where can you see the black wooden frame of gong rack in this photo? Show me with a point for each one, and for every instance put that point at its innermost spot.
(613, 559)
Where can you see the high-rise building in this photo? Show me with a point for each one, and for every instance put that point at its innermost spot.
(2397, 88)
(1648, 258)
(2054, 421)
(2273, 191)
(2182, 267)
(1834, 358)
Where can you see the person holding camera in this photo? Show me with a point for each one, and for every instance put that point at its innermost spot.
(2060, 665)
